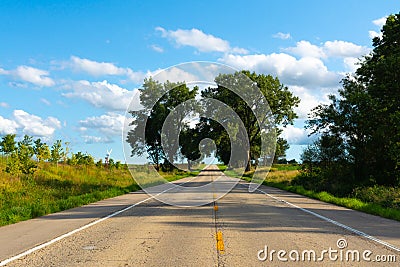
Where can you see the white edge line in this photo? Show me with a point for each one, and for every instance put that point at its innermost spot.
(31, 250)
(355, 231)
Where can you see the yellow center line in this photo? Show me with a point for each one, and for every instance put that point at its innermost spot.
(220, 242)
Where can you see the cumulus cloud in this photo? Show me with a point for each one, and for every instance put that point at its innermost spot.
(34, 125)
(351, 64)
(328, 49)
(281, 35)
(309, 99)
(297, 136)
(307, 71)
(29, 124)
(106, 127)
(378, 22)
(8, 126)
(102, 94)
(31, 75)
(344, 49)
(201, 41)
(97, 69)
(305, 49)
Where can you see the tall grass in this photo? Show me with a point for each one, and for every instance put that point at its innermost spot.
(55, 188)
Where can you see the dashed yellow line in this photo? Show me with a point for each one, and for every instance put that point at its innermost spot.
(220, 242)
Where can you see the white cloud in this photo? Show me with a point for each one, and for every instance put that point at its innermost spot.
(95, 68)
(351, 64)
(281, 35)
(380, 22)
(157, 48)
(309, 99)
(45, 101)
(173, 74)
(4, 105)
(106, 127)
(344, 49)
(90, 139)
(201, 41)
(34, 76)
(306, 71)
(102, 94)
(328, 49)
(306, 49)
(373, 34)
(296, 136)
(8, 126)
(29, 124)
(29, 74)
(3, 71)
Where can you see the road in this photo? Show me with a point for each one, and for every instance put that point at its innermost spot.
(269, 227)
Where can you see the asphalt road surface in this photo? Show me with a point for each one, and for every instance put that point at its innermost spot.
(268, 227)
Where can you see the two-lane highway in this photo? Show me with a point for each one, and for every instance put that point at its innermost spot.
(269, 227)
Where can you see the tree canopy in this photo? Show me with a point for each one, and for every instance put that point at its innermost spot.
(159, 103)
(364, 120)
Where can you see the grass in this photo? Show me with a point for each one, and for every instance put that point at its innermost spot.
(372, 200)
(52, 189)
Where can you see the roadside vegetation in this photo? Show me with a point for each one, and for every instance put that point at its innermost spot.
(36, 179)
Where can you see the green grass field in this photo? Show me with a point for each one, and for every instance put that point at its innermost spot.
(52, 189)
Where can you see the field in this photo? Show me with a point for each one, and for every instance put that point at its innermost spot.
(55, 188)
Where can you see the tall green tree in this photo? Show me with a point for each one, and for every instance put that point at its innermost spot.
(8, 144)
(42, 150)
(366, 114)
(57, 152)
(157, 104)
(25, 153)
(280, 100)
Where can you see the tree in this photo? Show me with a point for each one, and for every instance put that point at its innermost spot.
(57, 152)
(280, 100)
(190, 139)
(157, 103)
(281, 147)
(364, 120)
(8, 144)
(25, 153)
(13, 165)
(41, 150)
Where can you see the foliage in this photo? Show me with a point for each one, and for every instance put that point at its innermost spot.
(157, 103)
(360, 128)
(8, 144)
(280, 100)
(57, 152)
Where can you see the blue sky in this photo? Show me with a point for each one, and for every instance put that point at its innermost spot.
(68, 70)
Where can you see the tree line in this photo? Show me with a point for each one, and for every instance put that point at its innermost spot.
(23, 156)
(359, 143)
(160, 99)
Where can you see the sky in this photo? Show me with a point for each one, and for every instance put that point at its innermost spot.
(69, 69)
